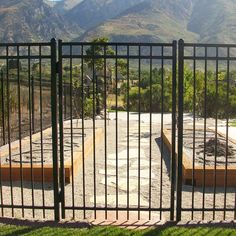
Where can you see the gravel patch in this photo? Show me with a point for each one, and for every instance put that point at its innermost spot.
(88, 188)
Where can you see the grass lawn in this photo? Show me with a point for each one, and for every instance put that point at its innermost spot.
(233, 123)
(111, 100)
(9, 230)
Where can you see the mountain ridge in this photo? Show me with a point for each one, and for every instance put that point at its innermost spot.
(205, 21)
(29, 21)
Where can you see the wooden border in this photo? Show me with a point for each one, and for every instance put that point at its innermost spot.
(48, 168)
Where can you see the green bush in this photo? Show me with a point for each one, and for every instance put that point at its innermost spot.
(210, 100)
(88, 107)
(155, 93)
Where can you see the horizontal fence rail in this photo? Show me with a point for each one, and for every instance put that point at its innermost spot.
(101, 131)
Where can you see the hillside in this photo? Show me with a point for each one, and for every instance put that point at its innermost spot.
(211, 21)
(91, 13)
(220, 27)
(149, 21)
(66, 5)
(24, 21)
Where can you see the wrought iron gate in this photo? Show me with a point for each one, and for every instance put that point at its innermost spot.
(112, 95)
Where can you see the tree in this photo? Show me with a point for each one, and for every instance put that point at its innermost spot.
(96, 63)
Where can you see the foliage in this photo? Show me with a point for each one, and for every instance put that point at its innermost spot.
(233, 123)
(99, 48)
(207, 93)
(10, 100)
(210, 93)
(88, 107)
(155, 92)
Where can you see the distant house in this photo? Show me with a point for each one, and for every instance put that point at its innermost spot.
(98, 78)
(120, 79)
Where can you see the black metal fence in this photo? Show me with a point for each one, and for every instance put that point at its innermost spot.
(91, 132)
(26, 78)
(207, 76)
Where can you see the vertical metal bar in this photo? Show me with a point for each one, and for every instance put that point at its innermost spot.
(19, 125)
(41, 129)
(54, 129)
(94, 133)
(65, 101)
(194, 130)
(83, 149)
(61, 127)
(162, 124)
(105, 124)
(117, 163)
(139, 128)
(227, 133)
(30, 132)
(216, 131)
(71, 135)
(3, 109)
(32, 109)
(9, 131)
(4, 140)
(180, 130)
(150, 140)
(228, 91)
(205, 121)
(128, 110)
(4, 112)
(173, 151)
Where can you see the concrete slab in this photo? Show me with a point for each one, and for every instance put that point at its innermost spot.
(133, 154)
(122, 200)
(134, 143)
(145, 117)
(122, 183)
(121, 163)
(143, 164)
(144, 173)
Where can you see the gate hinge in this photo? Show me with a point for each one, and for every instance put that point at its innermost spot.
(57, 67)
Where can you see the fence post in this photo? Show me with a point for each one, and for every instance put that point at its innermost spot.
(61, 127)
(180, 129)
(54, 128)
(173, 156)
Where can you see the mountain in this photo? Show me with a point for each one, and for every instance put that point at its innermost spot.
(214, 21)
(50, 3)
(148, 21)
(209, 21)
(66, 5)
(34, 20)
(205, 21)
(91, 13)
